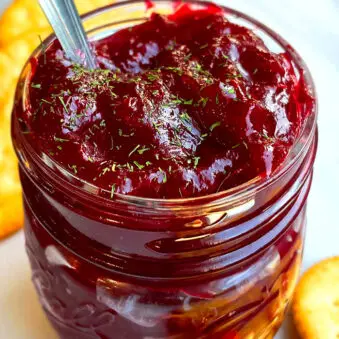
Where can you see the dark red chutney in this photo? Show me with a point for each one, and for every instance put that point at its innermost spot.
(182, 106)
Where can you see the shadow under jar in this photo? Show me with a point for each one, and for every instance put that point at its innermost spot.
(219, 266)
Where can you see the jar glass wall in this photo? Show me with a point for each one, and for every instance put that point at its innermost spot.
(218, 266)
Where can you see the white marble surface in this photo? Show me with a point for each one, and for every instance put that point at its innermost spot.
(313, 28)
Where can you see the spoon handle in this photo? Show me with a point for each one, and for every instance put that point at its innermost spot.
(66, 23)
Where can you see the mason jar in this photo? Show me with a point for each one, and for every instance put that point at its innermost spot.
(218, 266)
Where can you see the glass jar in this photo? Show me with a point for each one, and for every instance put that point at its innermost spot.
(219, 266)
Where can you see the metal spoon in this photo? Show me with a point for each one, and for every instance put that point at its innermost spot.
(66, 23)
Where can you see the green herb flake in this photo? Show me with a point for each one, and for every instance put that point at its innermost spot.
(74, 168)
(135, 80)
(224, 56)
(46, 101)
(43, 48)
(230, 90)
(187, 102)
(60, 139)
(102, 123)
(196, 161)
(143, 149)
(176, 101)
(198, 67)
(105, 170)
(235, 146)
(133, 150)
(112, 191)
(114, 95)
(203, 101)
(164, 175)
(130, 167)
(234, 76)
(153, 77)
(148, 163)
(185, 117)
(156, 92)
(90, 159)
(59, 148)
(33, 85)
(175, 70)
(156, 126)
(213, 126)
(140, 167)
(63, 104)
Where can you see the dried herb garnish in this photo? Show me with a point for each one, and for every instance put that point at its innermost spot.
(33, 85)
(112, 191)
(133, 150)
(213, 126)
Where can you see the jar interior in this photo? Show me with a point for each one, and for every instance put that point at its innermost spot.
(101, 24)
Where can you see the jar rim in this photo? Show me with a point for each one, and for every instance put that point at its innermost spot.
(240, 192)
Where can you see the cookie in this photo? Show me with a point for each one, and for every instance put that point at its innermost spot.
(316, 301)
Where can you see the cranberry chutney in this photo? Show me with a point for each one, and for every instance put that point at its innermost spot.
(182, 105)
(190, 105)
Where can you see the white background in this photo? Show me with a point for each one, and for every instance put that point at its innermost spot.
(312, 27)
